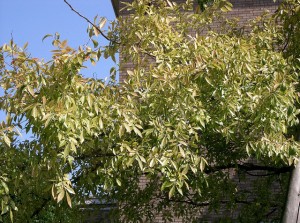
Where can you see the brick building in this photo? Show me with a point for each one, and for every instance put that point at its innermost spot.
(245, 10)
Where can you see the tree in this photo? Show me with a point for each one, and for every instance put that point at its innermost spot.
(196, 108)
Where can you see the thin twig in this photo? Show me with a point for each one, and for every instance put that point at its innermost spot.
(202, 204)
(89, 21)
(261, 175)
(13, 53)
(271, 212)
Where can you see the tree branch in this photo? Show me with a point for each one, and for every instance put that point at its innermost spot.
(249, 167)
(40, 208)
(89, 21)
(202, 204)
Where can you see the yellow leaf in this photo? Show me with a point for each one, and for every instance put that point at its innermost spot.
(182, 152)
(30, 90)
(102, 22)
(6, 140)
(53, 192)
(137, 131)
(70, 190)
(44, 100)
(100, 123)
(203, 162)
(60, 195)
(69, 200)
(96, 31)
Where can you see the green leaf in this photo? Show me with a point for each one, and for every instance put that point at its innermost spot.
(25, 45)
(128, 129)
(95, 43)
(46, 36)
(11, 215)
(140, 163)
(13, 205)
(166, 184)
(152, 162)
(5, 209)
(5, 187)
(121, 131)
(118, 182)
(179, 190)
(225, 6)
(171, 192)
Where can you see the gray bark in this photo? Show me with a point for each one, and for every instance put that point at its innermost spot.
(291, 212)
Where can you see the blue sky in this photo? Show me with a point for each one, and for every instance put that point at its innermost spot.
(29, 21)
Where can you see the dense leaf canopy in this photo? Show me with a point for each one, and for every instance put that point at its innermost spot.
(201, 108)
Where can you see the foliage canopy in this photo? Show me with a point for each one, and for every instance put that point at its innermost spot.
(197, 107)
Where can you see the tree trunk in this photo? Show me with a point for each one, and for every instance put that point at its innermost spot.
(291, 213)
